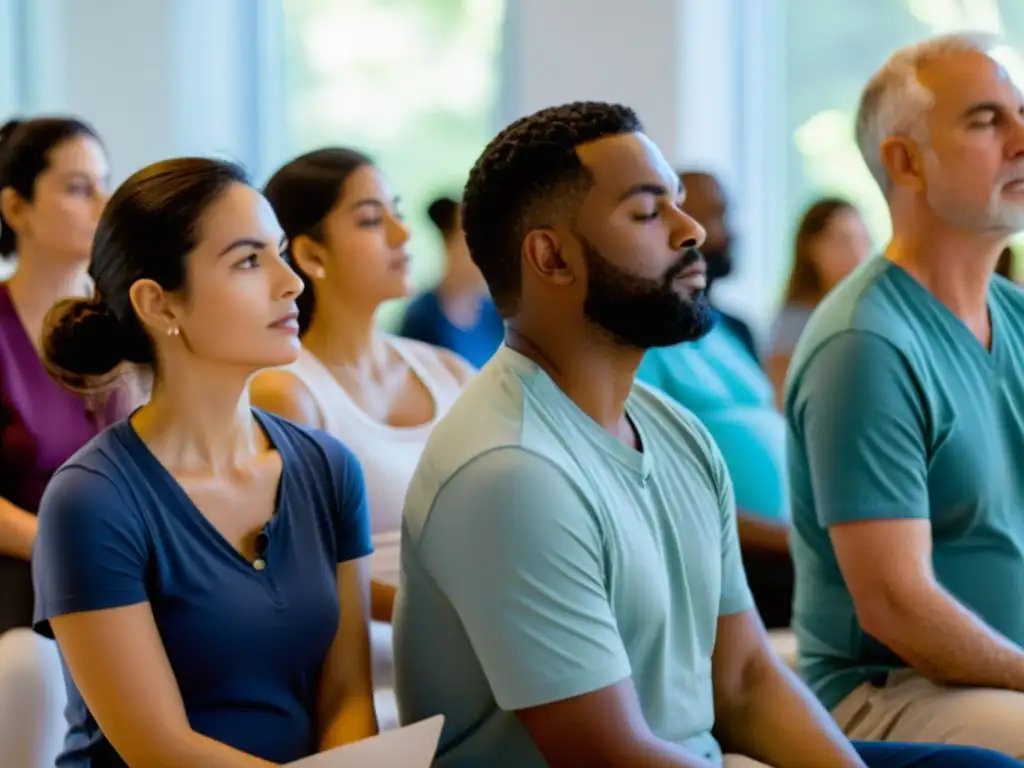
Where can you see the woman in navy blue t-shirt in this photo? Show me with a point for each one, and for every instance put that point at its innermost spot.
(200, 564)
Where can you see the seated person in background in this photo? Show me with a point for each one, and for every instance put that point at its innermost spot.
(457, 314)
(831, 241)
(907, 427)
(379, 393)
(720, 380)
(200, 563)
(572, 592)
(706, 201)
(53, 185)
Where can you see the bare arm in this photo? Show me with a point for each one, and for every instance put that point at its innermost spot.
(887, 566)
(757, 533)
(17, 530)
(776, 367)
(762, 711)
(118, 662)
(346, 709)
(382, 601)
(605, 728)
(281, 392)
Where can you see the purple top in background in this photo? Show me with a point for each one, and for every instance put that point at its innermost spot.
(41, 426)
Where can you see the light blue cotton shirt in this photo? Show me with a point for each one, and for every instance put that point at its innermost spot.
(543, 559)
(723, 384)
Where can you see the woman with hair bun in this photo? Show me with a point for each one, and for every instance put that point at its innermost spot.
(200, 564)
(53, 184)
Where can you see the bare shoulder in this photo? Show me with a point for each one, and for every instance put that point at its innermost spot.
(282, 392)
(428, 354)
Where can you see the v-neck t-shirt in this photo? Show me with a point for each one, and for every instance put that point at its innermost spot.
(896, 411)
(544, 559)
(246, 646)
(41, 426)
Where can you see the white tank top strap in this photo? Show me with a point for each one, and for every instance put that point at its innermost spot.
(388, 454)
(323, 388)
(430, 369)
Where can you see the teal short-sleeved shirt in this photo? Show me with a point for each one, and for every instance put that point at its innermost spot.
(543, 559)
(722, 384)
(895, 410)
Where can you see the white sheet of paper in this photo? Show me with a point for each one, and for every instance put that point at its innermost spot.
(413, 746)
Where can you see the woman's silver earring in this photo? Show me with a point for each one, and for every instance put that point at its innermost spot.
(320, 273)
(173, 331)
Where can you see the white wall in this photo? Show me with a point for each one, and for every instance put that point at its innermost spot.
(701, 74)
(157, 78)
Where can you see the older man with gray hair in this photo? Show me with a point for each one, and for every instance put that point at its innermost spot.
(905, 409)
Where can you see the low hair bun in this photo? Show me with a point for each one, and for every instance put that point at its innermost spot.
(84, 344)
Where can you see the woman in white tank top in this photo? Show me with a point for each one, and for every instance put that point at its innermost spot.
(378, 393)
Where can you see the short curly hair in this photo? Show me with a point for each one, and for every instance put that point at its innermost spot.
(529, 172)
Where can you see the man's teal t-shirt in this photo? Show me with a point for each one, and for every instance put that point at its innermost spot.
(543, 559)
(897, 411)
(723, 384)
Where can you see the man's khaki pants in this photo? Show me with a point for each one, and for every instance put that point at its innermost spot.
(909, 708)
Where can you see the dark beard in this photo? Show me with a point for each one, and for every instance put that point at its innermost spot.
(641, 312)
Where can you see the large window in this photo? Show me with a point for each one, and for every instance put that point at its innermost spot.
(415, 83)
(833, 47)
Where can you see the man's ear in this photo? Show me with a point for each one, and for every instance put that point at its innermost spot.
(542, 250)
(903, 162)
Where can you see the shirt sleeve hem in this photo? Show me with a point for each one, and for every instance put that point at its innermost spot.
(354, 553)
(50, 609)
(736, 605)
(520, 696)
(859, 513)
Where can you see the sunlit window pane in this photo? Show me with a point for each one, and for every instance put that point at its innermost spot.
(414, 83)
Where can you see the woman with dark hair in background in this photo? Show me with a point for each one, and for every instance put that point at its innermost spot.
(381, 394)
(53, 184)
(191, 560)
(831, 241)
(458, 313)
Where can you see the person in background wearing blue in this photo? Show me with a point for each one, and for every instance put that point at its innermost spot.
(572, 592)
(457, 314)
(200, 564)
(720, 379)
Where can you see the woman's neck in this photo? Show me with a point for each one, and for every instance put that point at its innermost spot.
(200, 420)
(39, 282)
(345, 337)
